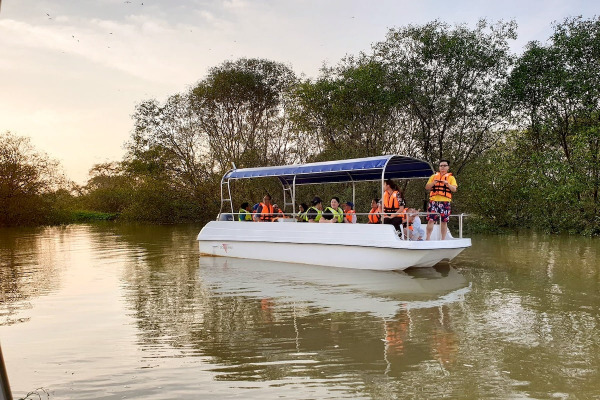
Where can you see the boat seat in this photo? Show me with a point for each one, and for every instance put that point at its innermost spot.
(226, 217)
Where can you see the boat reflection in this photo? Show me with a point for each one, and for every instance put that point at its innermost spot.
(380, 293)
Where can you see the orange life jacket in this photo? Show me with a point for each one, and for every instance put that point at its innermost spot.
(391, 204)
(349, 215)
(440, 189)
(404, 215)
(266, 213)
(374, 218)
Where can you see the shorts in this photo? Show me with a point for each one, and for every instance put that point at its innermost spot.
(439, 207)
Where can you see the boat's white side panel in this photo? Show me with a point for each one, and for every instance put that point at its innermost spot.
(361, 246)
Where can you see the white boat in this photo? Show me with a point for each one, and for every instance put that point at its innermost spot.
(360, 246)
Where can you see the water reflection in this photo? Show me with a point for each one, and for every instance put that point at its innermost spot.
(31, 261)
(315, 321)
(380, 293)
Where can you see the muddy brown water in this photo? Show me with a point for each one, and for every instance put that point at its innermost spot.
(114, 311)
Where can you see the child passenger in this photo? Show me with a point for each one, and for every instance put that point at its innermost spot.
(349, 213)
(415, 231)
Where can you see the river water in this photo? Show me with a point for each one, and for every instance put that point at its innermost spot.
(116, 311)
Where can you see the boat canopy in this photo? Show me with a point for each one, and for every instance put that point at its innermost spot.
(353, 170)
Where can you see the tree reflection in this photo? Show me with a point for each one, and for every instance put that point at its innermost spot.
(29, 264)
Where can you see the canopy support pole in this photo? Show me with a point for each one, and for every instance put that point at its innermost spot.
(294, 195)
(287, 188)
(353, 190)
(223, 200)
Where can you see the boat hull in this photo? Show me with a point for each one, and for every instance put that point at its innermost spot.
(359, 246)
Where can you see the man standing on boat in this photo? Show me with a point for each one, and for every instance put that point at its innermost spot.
(441, 186)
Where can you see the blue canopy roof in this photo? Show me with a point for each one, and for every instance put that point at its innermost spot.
(358, 169)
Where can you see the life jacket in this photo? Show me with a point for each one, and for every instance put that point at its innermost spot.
(339, 214)
(374, 218)
(266, 213)
(404, 215)
(317, 218)
(391, 204)
(350, 215)
(244, 215)
(439, 189)
(279, 215)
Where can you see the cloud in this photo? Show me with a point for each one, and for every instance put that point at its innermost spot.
(77, 77)
(142, 46)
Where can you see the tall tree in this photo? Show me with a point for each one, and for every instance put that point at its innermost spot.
(450, 80)
(349, 111)
(555, 89)
(240, 107)
(26, 175)
(168, 139)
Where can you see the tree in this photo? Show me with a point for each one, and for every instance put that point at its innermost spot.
(26, 175)
(108, 190)
(450, 81)
(349, 111)
(168, 139)
(240, 108)
(555, 91)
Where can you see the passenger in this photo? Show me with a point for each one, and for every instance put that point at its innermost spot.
(333, 214)
(415, 230)
(254, 208)
(264, 212)
(245, 213)
(277, 213)
(441, 185)
(303, 208)
(375, 213)
(393, 204)
(313, 214)
(349, 213)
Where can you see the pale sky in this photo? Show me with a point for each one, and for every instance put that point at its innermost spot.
(72, 71)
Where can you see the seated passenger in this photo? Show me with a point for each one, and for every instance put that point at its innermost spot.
(349, 213)
(277, 213)
(245, 213)
(375, 213)
(393, 204)
(264, 212)
(334, 213)
(313, 214)
(415, 230)
(301, 217)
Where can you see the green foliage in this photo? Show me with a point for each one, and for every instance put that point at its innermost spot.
(350, 111)
(523, 133)
(240, 110)
(26, 178)
(91, 216)
(555, 94)
(450, 80)
(108, 190)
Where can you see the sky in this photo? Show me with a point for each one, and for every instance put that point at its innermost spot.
(72, 72)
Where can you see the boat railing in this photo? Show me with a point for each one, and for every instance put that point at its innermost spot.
(293, 217)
